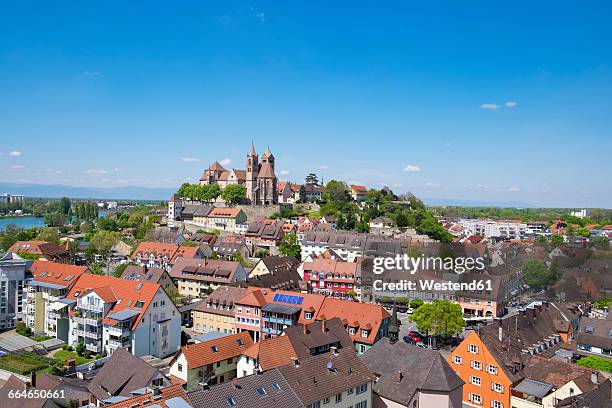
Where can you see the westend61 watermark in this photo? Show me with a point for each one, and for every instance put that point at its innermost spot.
(422, 265)
(410, 264)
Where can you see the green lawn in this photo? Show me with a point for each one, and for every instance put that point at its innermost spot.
(25, 363)
(63, 355)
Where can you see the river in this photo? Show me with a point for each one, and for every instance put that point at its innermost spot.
(30, 221)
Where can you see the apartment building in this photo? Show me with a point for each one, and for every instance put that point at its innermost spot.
(163, 254)
(146, 274)
(216, 312)
(265, 313)
(210, 362)
(12, 279)
(495, 229)
(46, 307)
(348, 245)
(266, 235)
(196, 277)
(222, 219)
(109, 313)
(331, 277)
(492, 361)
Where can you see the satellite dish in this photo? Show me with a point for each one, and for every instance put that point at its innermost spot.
(330, 365)
(91, 366)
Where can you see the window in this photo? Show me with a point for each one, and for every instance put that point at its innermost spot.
(362, 404)
(476, 365)
(472, 348)
(180, 367)
(362, 388)
(276, 386)
(326, 400)
(364, 333)
(314, 405)
(307, 315)
(351, 331)
(261, 392)
(475, 380)
(231, 401)
(349, 391)
(475, 398)
(491, 369)
(497, 387)
(497, 404)
(457, 360)
(338, 398)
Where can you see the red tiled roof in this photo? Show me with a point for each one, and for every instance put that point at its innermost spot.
(159, 249)
(275, 352)
(362, 315)
(56, 273)
(148, 399)
(201, 354)
(225, 212)
(185, 252)
(129, 292)
(359, 189)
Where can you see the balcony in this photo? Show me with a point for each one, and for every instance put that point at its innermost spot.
(91, 320)
(88, 334)
(269, 330)
(124, 343)
(93, 347)
(279, 320)
(119, 331)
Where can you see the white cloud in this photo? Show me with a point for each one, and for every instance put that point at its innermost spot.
(323, 167)
(18, 167)
(284, 172)
(190, 159)
(117, 170)
(514, 189)
(225, 162)
(431, 184)
(411, 168)
(511, 104)
(259, 14)
(96, 172)
(15, 153)
(489, 106)
(92, 73)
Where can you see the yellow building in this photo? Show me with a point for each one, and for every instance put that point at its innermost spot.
(216, 313)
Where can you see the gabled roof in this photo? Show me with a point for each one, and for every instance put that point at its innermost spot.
(121, 374)
(326, 375)
(224, 212)
(273, 352)
(173, 396)
(48, 250)
(56, 273)
(122, 293)
(397, 377)
(209, 352)
(157, 249)
(322, 333)
(243, 391)
(143, 273)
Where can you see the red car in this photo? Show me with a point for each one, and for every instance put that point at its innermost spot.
(414, 337)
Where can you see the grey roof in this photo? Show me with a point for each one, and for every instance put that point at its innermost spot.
(124, 314)
(67, 301)
(284, 309)
(122, 374)
(435, 373)
(245, 395)
(176, 402)
(213, 335)
(533, 388)
(595, 332)
(310, 336)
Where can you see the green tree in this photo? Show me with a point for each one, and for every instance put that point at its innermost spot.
(416, 303)
(80, 348)
(290, 246)
(119, 270)
(104, 241)
(312, 179)
(49, 234)
(234, 193)
(337, 192)
(538, 276)
(602, 243)
(440, 317)
(557, 240)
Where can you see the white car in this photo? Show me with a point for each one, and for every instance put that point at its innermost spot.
(410, 310)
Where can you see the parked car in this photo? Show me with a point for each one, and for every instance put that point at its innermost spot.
(410, 310)
(415, 336)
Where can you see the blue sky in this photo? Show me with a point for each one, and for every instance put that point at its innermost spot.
(504, 101)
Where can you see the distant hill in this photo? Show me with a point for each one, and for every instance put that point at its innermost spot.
(453, 202)
(60, 190)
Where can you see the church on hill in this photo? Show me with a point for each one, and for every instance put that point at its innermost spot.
(258, 178)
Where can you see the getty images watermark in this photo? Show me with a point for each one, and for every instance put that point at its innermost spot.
(413, 265)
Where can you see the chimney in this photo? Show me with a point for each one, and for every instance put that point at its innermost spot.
(500, 332)
(398, 376)
(334, 350)
(144, 269)
(33, 379)
(323, 326)
(296, 362)
(305, 329)
(594, 378)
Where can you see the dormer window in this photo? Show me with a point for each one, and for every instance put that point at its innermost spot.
(351, 330)
(364, 333)
(307, 315)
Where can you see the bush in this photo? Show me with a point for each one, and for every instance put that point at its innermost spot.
(416, 303)
(596, 363)
(98, 356)
(69, 348)
(80, 349)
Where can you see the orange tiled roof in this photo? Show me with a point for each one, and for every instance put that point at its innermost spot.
(275, 352)
(224, 212)
(159, 249)
(359, 189)
(359, 315)
(186, 252)
(201, 354)
(56, 273)
(126, 292)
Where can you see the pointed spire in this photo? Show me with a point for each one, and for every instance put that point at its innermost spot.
(393, 326)
(267, 153)
(252, 152)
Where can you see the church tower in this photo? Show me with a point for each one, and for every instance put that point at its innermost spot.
(252, 171)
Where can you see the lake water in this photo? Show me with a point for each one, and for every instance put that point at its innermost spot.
(30, 222)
